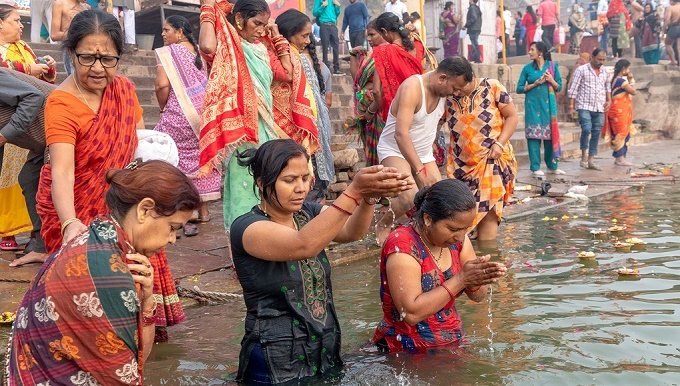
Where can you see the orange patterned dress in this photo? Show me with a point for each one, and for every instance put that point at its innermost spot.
(475, 122)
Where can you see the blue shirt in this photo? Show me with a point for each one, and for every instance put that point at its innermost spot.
(327, 14)
(356, 17)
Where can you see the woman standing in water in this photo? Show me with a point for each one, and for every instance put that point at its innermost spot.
(425, 266)
(291, 327)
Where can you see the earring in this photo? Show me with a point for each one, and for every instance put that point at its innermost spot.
(239, 26)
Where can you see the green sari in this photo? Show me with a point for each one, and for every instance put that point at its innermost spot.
(239, 190)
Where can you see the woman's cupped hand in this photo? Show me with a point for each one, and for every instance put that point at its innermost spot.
(381, 181)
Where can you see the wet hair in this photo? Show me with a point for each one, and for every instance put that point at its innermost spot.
(291, 22)
(268, 161)
(6, 10)
(248, 9)
(530, 11)
(415, 15)
(542, 48)
(596, 52)
(181, 23)
(448, 5)
(391, 23)
(621, 65)
(171, 190)
(455, 66)
(443, 200)
(92, 22)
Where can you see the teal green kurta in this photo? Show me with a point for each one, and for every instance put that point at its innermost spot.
(537, 101)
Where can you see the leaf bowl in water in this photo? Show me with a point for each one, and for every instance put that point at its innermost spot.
(623, 271)
(599, 234)
(622, 247)
(637, 243)
(617, 230)
(587, 255)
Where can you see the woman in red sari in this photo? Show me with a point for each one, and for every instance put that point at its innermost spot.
(394, 62)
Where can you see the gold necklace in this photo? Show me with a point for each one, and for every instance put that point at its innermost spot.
(436, 259)
(81, 94)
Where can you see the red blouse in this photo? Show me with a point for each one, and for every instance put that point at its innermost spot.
(442, 328)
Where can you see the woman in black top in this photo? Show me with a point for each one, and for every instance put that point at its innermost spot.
(292, 330)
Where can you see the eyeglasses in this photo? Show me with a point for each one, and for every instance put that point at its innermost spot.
(89, 60)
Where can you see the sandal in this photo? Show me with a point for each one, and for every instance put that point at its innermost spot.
(594, 167)
(583, 164)
(9, 244)
(204, 219)
(190, 230)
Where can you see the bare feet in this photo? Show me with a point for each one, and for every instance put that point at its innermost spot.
(31, 257)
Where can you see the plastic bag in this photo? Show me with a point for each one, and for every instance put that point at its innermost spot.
(462, 34)
(559, 36)
(538, 35)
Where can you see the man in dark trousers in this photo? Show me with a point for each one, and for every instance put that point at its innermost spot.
(22, 124)
(473, 25)
(327, 15)
(356, 17)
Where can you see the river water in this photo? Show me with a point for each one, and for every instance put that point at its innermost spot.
(553, 320)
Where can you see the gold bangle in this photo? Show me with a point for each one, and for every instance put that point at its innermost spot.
(67, 223)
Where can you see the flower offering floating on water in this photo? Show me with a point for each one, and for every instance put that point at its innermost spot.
(565, 217)
(599, 234)
(636, 241)
(546, 218)
(587, 255)
(617, 230)
(628, 271)
(619, 246)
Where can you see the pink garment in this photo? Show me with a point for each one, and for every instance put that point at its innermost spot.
(548, 12)
(174, 123)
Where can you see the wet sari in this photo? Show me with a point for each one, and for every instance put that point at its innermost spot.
(475, 122)
(78, 322)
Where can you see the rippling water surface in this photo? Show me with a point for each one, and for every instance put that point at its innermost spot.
(555, 319)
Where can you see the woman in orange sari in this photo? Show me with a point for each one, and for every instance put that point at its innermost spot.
(619, 123)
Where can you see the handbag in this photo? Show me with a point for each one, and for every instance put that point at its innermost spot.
(155, 145)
